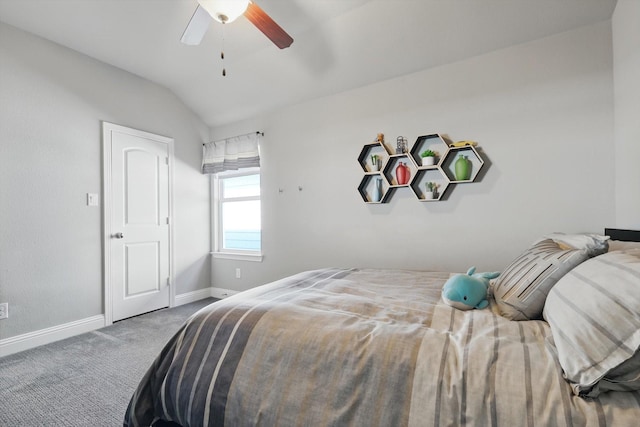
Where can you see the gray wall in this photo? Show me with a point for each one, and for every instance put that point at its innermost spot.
(52, 102)
(542, 112)
(626, 65)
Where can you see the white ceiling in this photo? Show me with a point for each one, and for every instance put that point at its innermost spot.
(339, 44)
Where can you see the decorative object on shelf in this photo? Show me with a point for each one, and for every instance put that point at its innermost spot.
(428, 157)
(463, 144)
(463, 168)
(401, 145)
(432, 191)
(375, 162)
(377, 190)
(402, 173)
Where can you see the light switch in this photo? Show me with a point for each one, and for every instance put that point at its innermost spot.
(92, 199)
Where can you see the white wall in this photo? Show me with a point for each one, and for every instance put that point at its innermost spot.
(52, 102)
(626, 65)
(542, 112)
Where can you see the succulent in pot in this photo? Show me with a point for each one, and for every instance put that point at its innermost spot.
(428, 157)
(432, 190)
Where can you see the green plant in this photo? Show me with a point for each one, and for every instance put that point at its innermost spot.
(374, 158)
(428, 153)
(431, 186)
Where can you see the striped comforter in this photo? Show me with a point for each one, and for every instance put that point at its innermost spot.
(363, 348)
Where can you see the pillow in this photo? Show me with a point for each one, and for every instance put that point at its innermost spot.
(594, 244)
(521, 289)
(594, 315)
(620, 245)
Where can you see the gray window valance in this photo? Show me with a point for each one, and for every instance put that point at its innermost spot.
(233, 153)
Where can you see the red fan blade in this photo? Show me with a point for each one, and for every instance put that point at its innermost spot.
(268, 26)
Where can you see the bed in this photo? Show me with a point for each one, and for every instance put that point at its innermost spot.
(364, 347)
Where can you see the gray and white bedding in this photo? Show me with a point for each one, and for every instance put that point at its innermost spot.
(338, 347)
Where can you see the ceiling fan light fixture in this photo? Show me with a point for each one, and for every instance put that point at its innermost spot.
(224, 11)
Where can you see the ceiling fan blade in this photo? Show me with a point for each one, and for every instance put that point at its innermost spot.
(268, 26)
(197, 27)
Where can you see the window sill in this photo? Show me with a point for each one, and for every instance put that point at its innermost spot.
(254, 257)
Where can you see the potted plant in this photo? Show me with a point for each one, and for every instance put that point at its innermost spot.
(375, 162)
(432, 190)
(428, 157)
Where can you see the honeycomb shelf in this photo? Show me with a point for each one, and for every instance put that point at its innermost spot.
(389, 169)
(367, 153)
(379, 165)
(436, 176)
(367, 188)
(434, 143)
(470, 153)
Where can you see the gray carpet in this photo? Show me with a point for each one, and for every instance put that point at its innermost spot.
(85, 380)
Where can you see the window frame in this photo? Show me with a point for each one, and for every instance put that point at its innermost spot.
(216, 225)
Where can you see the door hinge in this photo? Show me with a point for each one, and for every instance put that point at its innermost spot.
(168, 281)
(166, 161)
(168, 221)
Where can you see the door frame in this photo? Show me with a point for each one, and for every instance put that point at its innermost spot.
(107, 204)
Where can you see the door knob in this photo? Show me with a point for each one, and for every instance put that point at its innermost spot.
(119, 236)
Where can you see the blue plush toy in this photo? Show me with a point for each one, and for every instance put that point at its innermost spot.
(468, 291)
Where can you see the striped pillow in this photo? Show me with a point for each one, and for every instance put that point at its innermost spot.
(594, 314)
(521, 290)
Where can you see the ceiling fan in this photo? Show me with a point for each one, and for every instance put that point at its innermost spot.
(226, 11)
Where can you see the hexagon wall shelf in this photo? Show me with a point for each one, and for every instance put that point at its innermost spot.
(379, 165)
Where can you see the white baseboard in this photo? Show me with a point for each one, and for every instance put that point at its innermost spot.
(48, 335)
(193, 296)
(55, 333)
(221, 293)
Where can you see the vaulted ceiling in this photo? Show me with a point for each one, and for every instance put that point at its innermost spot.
(339, 44)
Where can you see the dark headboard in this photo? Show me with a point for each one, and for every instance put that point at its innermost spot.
(624, 235)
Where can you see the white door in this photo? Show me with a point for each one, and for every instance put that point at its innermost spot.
(137, 221)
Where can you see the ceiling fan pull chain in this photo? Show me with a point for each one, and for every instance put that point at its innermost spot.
(224, 71)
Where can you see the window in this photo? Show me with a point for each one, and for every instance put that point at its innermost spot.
(237, 214)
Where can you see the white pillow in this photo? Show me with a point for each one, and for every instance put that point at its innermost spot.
(594, 314)
(594, 244)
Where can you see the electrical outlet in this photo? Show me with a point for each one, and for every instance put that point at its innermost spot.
(4, 310)
(238, 273)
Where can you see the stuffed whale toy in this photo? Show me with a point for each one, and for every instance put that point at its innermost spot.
(468, 291)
